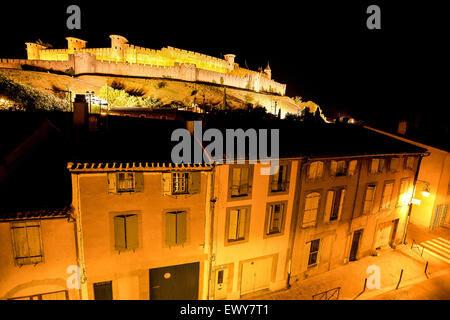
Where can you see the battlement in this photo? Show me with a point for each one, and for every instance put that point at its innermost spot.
(127, 59)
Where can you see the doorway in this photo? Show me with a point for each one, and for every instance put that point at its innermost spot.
(179, 282)
(355, 244)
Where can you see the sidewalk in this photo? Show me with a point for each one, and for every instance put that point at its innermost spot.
(351, 277)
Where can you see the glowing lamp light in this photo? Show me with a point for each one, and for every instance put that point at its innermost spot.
(426, 193)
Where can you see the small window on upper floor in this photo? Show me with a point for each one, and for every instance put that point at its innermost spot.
(240, 180)
(377, 165)
(279, 182)
(179, 183)
(409, 163)
(27, 242)
(394, 164)
(122, 182)
(315, 170)
(338, 168)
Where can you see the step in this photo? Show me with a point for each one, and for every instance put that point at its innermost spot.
(436, 247)
(432, 253)
(442, 243)
(445, 240)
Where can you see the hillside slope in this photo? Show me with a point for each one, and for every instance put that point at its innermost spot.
(166, 90)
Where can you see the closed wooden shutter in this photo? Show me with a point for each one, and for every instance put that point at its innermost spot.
(311, 207)
(132, 239)
(232, 225)
(171, 229)
(181, 227)
(112, 182)
(242, 216)
(341, 203)
(166, 183)
(194, 182)
(329, 205)
(20, 241)
(387, 193)
(306, 251)
(34, 243)
(244, 184)
(333, 168)
(374, 165)
(139, 182)
(119, 233)
(352, 167)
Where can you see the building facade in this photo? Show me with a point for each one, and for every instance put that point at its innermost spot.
(38, 256)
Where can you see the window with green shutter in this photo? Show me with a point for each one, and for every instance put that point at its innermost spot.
(27, 242)
(121, 182)
(126, 232)
(176, 228)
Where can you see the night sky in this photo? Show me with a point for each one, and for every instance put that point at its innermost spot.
(322, 50)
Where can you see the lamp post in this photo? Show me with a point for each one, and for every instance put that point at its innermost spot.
(426, 194)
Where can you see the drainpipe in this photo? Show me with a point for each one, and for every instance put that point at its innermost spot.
(294, 217)
(83, 290)
(416, 175)
(212, 202)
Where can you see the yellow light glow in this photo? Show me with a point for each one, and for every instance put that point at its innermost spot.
(425, 193)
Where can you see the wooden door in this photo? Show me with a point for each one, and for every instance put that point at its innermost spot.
(355, 244)
(221, 284)
(178, 282)
(255, 275)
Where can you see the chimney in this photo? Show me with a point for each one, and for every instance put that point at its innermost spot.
(402, 126)
(80, 118)
(80, 111)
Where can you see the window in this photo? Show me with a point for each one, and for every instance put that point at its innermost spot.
(126, 232)
(180, 183)
(404, 194)
(387, 194)
(313, 258)
(176, 228)
(311, 207)
(103, 290)
(275, 217)
(27, 242)
(352, 167)
(315, 170)
(338, 168)
(125, 182)
(122, 182)
(369, 197)
(240, 181)
(279, 181)
(409, 163)
(334, 204)
(377, 165)
(393, 164)
(237, 224)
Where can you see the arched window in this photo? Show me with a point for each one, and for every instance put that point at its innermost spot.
(311, 207)
(315, 170)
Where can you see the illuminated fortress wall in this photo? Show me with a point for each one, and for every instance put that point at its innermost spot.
(129, 60)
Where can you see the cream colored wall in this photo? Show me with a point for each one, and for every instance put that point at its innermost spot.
(129, 270)
(435, 169)
(257, 245)
(58, 240)
(337, 235)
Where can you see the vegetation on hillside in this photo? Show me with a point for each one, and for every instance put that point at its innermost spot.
(18, 96)
(122, 98)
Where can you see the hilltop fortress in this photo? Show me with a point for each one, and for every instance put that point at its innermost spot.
(124, 59)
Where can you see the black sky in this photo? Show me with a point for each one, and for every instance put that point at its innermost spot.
(321, 49)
